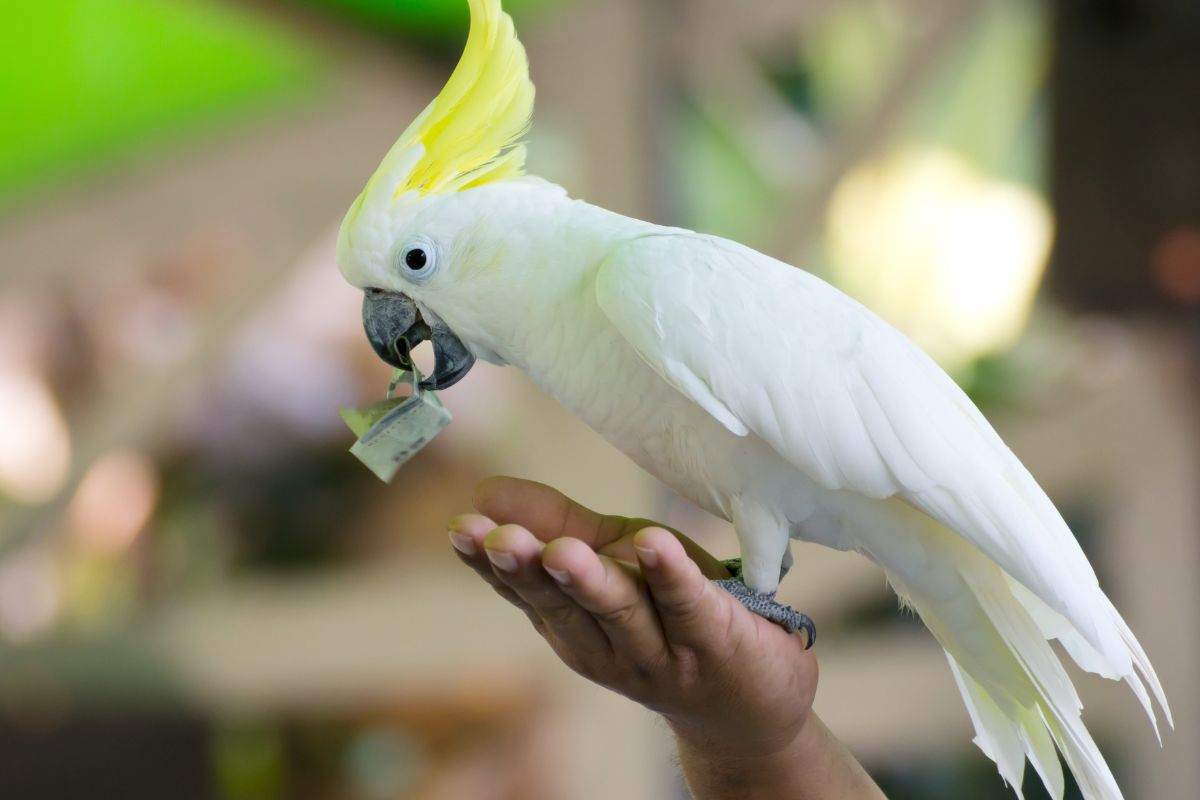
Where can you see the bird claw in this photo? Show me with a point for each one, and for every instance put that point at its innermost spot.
(764, 605)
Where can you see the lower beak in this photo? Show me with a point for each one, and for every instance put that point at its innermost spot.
(395, 327)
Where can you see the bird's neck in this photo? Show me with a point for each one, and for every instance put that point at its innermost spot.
(559, 253)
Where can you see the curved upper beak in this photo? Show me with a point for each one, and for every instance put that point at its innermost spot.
(395, 327)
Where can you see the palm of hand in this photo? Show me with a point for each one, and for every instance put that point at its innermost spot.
(629, 605)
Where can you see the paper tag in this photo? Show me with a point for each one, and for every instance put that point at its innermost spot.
(394, 430)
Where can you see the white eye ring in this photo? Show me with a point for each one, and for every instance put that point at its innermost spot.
(417, 260)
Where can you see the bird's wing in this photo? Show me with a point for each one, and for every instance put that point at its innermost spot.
(771, 350)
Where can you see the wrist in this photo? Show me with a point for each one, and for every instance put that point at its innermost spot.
(722, 761)
(733, 738)
(806, 765)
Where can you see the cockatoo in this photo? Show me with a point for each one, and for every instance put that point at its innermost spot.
(750, 387)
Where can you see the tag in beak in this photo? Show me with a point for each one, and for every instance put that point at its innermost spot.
(395, 429)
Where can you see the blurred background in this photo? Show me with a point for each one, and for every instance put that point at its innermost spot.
(203, 595)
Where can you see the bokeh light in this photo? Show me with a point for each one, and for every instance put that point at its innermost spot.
(35, 448)
(114, 501)
(946, 254)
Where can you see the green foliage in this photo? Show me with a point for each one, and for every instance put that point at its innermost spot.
(441, 18)
(720, 191)
(85, 79)
(982, 101)
(250, 762)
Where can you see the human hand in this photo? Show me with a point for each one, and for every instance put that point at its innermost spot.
(629, 605)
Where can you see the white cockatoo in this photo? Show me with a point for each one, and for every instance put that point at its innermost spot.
(750, 387)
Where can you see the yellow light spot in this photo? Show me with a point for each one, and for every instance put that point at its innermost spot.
(950, 256)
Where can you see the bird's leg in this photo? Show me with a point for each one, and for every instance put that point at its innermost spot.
(763, 603)
(766, 556)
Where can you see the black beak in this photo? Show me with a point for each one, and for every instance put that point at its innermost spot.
(395, 327)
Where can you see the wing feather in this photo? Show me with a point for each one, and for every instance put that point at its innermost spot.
(847, 399)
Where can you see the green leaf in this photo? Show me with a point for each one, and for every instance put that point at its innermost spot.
(84, 80)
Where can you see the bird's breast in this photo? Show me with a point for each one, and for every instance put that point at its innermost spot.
(588, 367)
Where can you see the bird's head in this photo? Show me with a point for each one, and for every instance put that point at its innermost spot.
(414, 240)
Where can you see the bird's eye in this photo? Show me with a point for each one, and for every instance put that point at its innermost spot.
(417, 259)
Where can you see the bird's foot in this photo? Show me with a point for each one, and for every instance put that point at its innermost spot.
(763, 604)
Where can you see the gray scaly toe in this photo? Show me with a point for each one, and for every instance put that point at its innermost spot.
(763, 604)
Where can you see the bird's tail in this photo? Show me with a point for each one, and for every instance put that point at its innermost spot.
(1019, 696)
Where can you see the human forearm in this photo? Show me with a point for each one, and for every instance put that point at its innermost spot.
(814, 766)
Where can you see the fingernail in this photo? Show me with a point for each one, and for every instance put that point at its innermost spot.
(560, 575)
(648, 557)
(506, 562)
(462, 543)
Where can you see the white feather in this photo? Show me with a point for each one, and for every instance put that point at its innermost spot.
(857, 408)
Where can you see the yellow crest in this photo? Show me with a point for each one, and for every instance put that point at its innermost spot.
(470, 134)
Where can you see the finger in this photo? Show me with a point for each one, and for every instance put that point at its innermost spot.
(614, 598)
(466, 536)
(694, 613)
(467, 532)
(549, 514)
(623, 550)
(546, 512)
(516, 560)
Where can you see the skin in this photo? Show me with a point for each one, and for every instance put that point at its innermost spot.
(629, 604)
